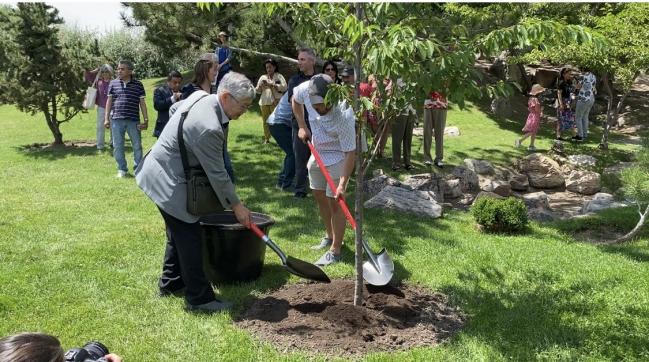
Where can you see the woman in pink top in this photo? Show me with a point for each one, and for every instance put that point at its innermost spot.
(102, 80)
(533, 122)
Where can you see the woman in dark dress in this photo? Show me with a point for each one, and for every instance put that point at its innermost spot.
(565, 103)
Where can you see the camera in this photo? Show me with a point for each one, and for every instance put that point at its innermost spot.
(90, 352)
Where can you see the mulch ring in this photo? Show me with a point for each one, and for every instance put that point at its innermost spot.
(321, 318)
(66, 144)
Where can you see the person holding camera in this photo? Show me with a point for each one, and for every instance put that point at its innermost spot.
(41, 347)
(163, 178)
(271, 86)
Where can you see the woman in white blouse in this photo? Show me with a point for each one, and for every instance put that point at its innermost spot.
(271, 86)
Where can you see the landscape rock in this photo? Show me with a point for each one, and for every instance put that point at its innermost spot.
(397, 198)
(451, 131)
(599, 202)
(537, 200)
(482, 194)
(378, 183)
(519, 182)
(426, 182)
(418, 131)
(583, 182)
(468, 179)
(453, 188)
(481, 167)
(558, 147)
(542, 215)
(542, 171)
(582, 160)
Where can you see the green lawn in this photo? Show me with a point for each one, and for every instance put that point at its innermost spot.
(81, 251)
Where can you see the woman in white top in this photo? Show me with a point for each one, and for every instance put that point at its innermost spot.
(271, 86)
(585, 101)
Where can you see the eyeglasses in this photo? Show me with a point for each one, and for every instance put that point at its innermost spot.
(241, 105)
(329, 69)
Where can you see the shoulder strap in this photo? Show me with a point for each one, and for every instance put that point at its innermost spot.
(94, 84)
(181, 141)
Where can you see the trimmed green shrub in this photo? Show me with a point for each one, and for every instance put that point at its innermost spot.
(500, 215)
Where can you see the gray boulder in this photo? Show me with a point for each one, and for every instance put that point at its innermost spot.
(451, 131)
(542, 171)
(519, 182)
(453, 188)
(481, 167)
(537, 200)
(583, 182)
(582, 161)
(421, 203)
(468, 179)
(498, 187)
(378, 183)
(599, 202)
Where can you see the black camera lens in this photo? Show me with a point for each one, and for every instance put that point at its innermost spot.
(96, 350)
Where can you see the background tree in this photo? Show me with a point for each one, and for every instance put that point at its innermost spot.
(43, 73)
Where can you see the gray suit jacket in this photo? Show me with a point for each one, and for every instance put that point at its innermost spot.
(161, 174)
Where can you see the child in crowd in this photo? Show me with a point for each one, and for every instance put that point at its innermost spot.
(533, 118)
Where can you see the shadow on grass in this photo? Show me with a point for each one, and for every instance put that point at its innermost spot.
(527, 316)
(71, 148)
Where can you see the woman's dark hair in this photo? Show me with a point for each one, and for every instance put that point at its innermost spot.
(563, 71)
(31, 347)
(333, 65)
(273, 62)
(174, 74)
(202, 67)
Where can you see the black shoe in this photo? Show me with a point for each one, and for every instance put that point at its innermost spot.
(214, 306)
(299, 195)
(408, 167)
(162, 292)
(576, 138)
(560, 138)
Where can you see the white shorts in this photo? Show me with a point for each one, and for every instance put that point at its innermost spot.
(317, 181)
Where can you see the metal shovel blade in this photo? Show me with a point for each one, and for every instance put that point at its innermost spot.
(305, 270)
(378, 270)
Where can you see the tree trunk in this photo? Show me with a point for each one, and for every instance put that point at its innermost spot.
(636, 229)
(606, 79)
(53, 125)
(360, 174)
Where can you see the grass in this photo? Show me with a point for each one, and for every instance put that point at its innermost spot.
(81, 251)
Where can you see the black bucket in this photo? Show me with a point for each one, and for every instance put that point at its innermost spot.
(231, 252)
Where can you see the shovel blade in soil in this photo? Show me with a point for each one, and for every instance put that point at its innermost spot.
(381, 274)
(306, 270)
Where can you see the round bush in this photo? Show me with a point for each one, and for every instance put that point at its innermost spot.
(500, 215)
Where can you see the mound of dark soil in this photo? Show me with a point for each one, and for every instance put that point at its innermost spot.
(322, 318)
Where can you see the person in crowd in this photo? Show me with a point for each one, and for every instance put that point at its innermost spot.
(333, 134)
(331, 69)
(37, 347)
(224, 56)
(533, 122)
(271, 86)
(402, 130)
(383, 130)
(165, 96)
(368, 90)
(565, 104)
(435, 110)
(306, 65)
(347, 76)
(103, 75)
(585, 101)
(280, 126)
(125, 101)
(162, 178)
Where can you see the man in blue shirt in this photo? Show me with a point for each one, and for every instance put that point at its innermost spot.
(125, 101)
(280, 126)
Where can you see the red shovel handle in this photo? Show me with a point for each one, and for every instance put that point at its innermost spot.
(255, 229)
(332, 185)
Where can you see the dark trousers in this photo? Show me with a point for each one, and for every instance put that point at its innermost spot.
(302, 154)
(283, 135)
(183, 261)
(402, 137)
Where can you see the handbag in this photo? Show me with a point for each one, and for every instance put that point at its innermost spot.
(201, 198)
(91, 95)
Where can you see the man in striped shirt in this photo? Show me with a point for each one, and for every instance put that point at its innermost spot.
(333, 134)
(126, 100)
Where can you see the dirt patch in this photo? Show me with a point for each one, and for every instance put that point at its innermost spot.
(321, 318)
(66, 145)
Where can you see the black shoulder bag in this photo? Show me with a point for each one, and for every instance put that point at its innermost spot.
(201, 198)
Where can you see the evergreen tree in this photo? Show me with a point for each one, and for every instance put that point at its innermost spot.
(44, 73)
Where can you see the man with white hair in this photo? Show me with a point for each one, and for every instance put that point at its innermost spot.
(161, 176)
(333, 134)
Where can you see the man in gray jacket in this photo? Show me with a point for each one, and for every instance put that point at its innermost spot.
(162, 178)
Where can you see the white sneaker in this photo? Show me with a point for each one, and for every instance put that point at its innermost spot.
(517, 143)
(121, 174)
(531, 148)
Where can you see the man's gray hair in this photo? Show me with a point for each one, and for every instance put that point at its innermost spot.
(237, 85)
(310, 52)
(127, 63)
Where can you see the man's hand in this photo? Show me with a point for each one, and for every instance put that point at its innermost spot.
(106, 123)
(340, 192)
(242, 214)
(304, 134)
(142, 126)
(177, 96)
(112, 357)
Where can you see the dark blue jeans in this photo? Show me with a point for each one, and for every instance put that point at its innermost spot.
(283, 135)
(302, 154)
